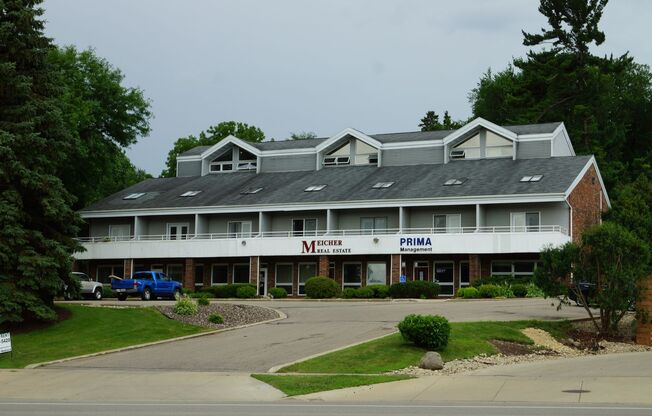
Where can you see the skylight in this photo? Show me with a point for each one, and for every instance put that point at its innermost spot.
(531, 178)
(134, 195)
(314, 188)
(190, 193)
(454, 181)
(249, 191)
(381, 185)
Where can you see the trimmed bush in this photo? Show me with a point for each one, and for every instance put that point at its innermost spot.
(246, 292)
(489, 291)
(468, 293)
(203, 300)
(426, 331)
(321, 288)
(519, 290)
(186, 306)
(501, 280)
(534, 291)
(227, 291)
(216, 318)
(107, 292)
(380, 291)
(414, 289)
(364, 293)
(348, 293)
(278, 293)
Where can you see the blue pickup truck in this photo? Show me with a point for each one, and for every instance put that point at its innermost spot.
(147, 285)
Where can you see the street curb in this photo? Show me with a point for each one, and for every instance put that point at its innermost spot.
(281, 316)
(278, 367)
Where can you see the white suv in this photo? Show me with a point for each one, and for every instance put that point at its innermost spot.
(88, 286)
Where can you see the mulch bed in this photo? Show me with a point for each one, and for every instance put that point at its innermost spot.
(234, 315)
(31, 324)
(512, 348)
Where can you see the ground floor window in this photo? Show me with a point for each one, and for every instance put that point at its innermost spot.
(351, 275)
(157, 268)
(219, 274)
(284, 277)
(175, 272)
(464, 274)
(306, 271)
(331, 270)
(376, 273)
(240, 273)
(104, 271)
(517, 269)
(199, 275)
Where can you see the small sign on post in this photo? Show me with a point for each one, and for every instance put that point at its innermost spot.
(5, 342)
(402, 279)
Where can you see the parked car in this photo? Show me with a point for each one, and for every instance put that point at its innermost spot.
(148, 285)
(587, 289)
(87, 286)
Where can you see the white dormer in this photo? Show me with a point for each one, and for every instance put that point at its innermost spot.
(480, 139)
(349, 147)
(230, 155)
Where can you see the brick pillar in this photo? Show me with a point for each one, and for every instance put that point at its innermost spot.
(323, 266)
(128, 268)
(207, 274)
(188, 279)
(475, 267)
(395, 272)
(254, 262)
(644, 306)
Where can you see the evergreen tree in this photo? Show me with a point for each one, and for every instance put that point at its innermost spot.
(430, 122)
(36, 221)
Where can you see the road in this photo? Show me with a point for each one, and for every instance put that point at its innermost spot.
(311, 327)
(300, 409)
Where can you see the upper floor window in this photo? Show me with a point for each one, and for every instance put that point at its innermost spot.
(525, 221)
(239, 229)
(304, 226)
(370, 224)
(484, 144)
(447, 223)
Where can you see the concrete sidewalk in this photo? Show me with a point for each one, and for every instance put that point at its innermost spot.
(92, 385)
(616, 379)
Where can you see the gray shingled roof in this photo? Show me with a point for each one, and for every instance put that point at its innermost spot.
(354, 183)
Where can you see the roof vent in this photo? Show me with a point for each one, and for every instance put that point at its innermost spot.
(190, 193)
(250, 191)
(314, 188)
(381, 185)
(531, 178)
(134, 195)
(454, 181)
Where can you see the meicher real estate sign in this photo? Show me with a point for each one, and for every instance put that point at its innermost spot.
(5, 342)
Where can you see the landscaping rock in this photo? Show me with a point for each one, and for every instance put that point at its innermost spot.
(234, 315)
(431, 361)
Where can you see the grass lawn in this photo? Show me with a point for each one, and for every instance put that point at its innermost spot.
(467, 339)
(294, 385)
(93, 329)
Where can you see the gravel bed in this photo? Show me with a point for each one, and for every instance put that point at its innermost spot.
(234, 315)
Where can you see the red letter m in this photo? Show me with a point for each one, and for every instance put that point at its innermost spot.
(308, 247)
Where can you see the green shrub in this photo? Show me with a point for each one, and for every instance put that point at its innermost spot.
(519, 290)
(534, 291)
(414, 289)
(348, 293)
(227, 291)
(107, 292)
(364, 293)
(278, 293)
(501, 280)
(426, 331)
(203, 300)
(246, 292)
(504, 291)
(216, 318)
(186, 306)
(380, 291)
(321, 288)
(468, 293)
(489, 291)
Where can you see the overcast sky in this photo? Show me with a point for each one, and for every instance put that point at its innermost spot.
(321, 66)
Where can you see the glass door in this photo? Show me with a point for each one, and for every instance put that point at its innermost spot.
(464, 274)
(421, 270)
(262, 282)
(444, 276)
(178, 231)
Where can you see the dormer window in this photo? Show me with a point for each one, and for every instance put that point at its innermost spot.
(135, 195)
(337, 160)
(234, 159)
(483, 145)
(353, 152)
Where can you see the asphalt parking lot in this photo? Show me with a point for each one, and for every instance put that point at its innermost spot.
(312, 327)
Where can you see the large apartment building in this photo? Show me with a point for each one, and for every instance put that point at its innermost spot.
(444, 206)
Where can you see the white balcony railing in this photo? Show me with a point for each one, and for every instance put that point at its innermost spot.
(332, 233)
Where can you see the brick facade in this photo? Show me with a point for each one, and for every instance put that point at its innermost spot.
(128, 268)
(475, 268)
(254, 265)
(395, 272)
(322, 267)
(644, 328)
(587, 202)
(188, 279)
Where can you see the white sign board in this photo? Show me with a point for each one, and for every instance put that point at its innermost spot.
(5, 342)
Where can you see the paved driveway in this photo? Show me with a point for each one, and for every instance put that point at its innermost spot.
(311, 328)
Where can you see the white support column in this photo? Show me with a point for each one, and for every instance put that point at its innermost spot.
(137, 227)
(401, 214)
(479, 215)
(329, 220)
